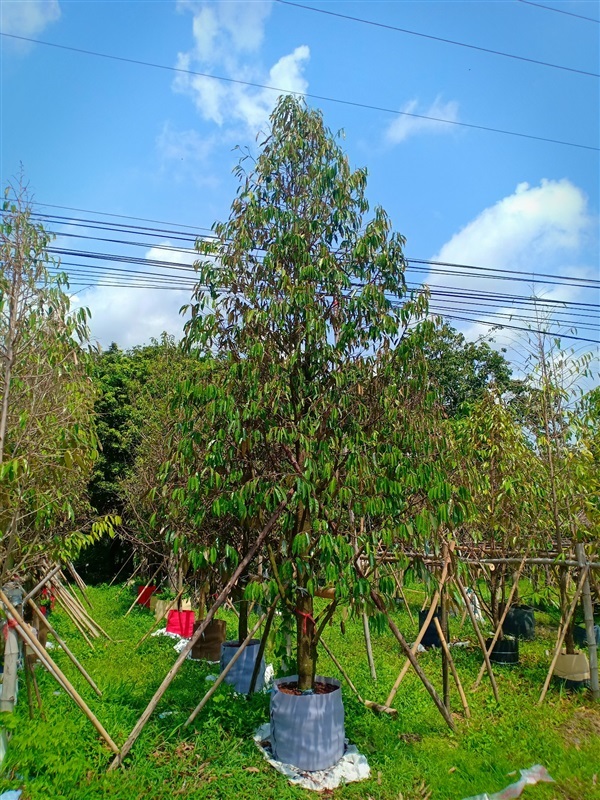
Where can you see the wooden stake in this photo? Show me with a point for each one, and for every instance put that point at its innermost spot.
(262, 646)
(420, 635)
(502, 618)
(200, 629)
(452, 666)
(81, 585)
(403, 596)
(590, 633)
(63, 645)
(127, 560)
(129, 580)
(11, 658)
(367, 632)
(225, 672)
(480, 639)
(563, 631)
(62, 603)
(41, 584)
(55, 671)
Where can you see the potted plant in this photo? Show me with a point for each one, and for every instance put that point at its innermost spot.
(294, 296)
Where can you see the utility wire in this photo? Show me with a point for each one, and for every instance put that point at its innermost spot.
(559, 11)
(434, 38)
(310, 95)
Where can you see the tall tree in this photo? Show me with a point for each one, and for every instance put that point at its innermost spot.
(306, 302)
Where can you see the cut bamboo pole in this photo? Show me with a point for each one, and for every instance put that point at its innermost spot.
(129, 580)
(367, 632)
(225, 672)
(224, 593)
(420, 635)
(8, 695)
(64, 646)
(262, 646)
(453, 669)
(145, 587)
(66, 606)
(169, 607)
(502, 618)
(80, 584)
(480, 639)
(403, 596)
(56, 672)
(127, 560)
(41, 584)
(563, 631)
(590, 633)
(87, 617)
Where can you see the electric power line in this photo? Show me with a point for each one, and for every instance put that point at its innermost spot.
(310, 95)
(559, 10)
(434, 38)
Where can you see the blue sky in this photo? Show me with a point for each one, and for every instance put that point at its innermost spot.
(99, 134)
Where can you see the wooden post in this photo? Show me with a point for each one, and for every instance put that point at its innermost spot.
(200, 629)
(11, 658)
(55, 671)
(590, 633)
(444, 628)
(420, 636)
(402, 595)
(563, 631)
(367, 632)
(480, 639)
(225, 672)
(453, 669)
(502, 618)
(63, 645)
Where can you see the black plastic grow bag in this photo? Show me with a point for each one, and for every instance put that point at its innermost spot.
(431, 637)
(520, 622)
(506, 651)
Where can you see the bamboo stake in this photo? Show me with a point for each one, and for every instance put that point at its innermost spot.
(129, 581)
(502, 618)
(262, 646)
(41, 584)
(420, 635)
(127, 560)
(200, 630)
(590, 633)
(61, 599)
(563, 631)
(56, 672)
(91, 622)
(8, 694)
(81, 585)
(403, 596)
(225, 672)
(480, 639)
(76, 610)
(145, 587)
(28, 687)
(169, 607)
(445, 651)
(78, 607)
(368, 703)
(367, 632)
(452, 666)
(64, 646)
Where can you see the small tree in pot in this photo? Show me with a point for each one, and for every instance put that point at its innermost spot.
(306, 302)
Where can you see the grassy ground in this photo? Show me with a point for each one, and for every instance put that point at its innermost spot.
(413, 756)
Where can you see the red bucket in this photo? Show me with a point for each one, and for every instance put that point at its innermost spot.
(181, 623)
(144, 595)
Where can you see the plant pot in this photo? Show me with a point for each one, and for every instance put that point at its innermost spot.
(209, 644)
(144, 593)
(181, 623)
(506, 651)
(307, 731)
(240, 675)
(573, 670)
(580, 635)
(431, 637)
(520, 622)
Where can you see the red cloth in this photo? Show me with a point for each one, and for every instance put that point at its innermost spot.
(144, 595)
(181, 622)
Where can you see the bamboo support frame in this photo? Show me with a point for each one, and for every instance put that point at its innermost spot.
(453, 669)
(588, 614)
(41, 584)
(145, 587)
(56, 672)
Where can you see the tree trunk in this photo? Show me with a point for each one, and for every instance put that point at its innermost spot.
(563, 577)
(243, 621)
(306, 650)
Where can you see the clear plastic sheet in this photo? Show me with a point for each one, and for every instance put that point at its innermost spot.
(535, 774)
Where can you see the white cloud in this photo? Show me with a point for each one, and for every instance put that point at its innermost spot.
(405, 126)
(186, 145)
(132, 316)
(27, 17)
(227, 39)
(537, 229)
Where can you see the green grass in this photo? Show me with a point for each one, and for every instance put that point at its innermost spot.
(62, 758)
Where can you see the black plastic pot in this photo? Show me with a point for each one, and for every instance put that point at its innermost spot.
(580, 635)
(240, 675)
(506, 651)
(307, 731)
(431, 638)
(520, 622)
